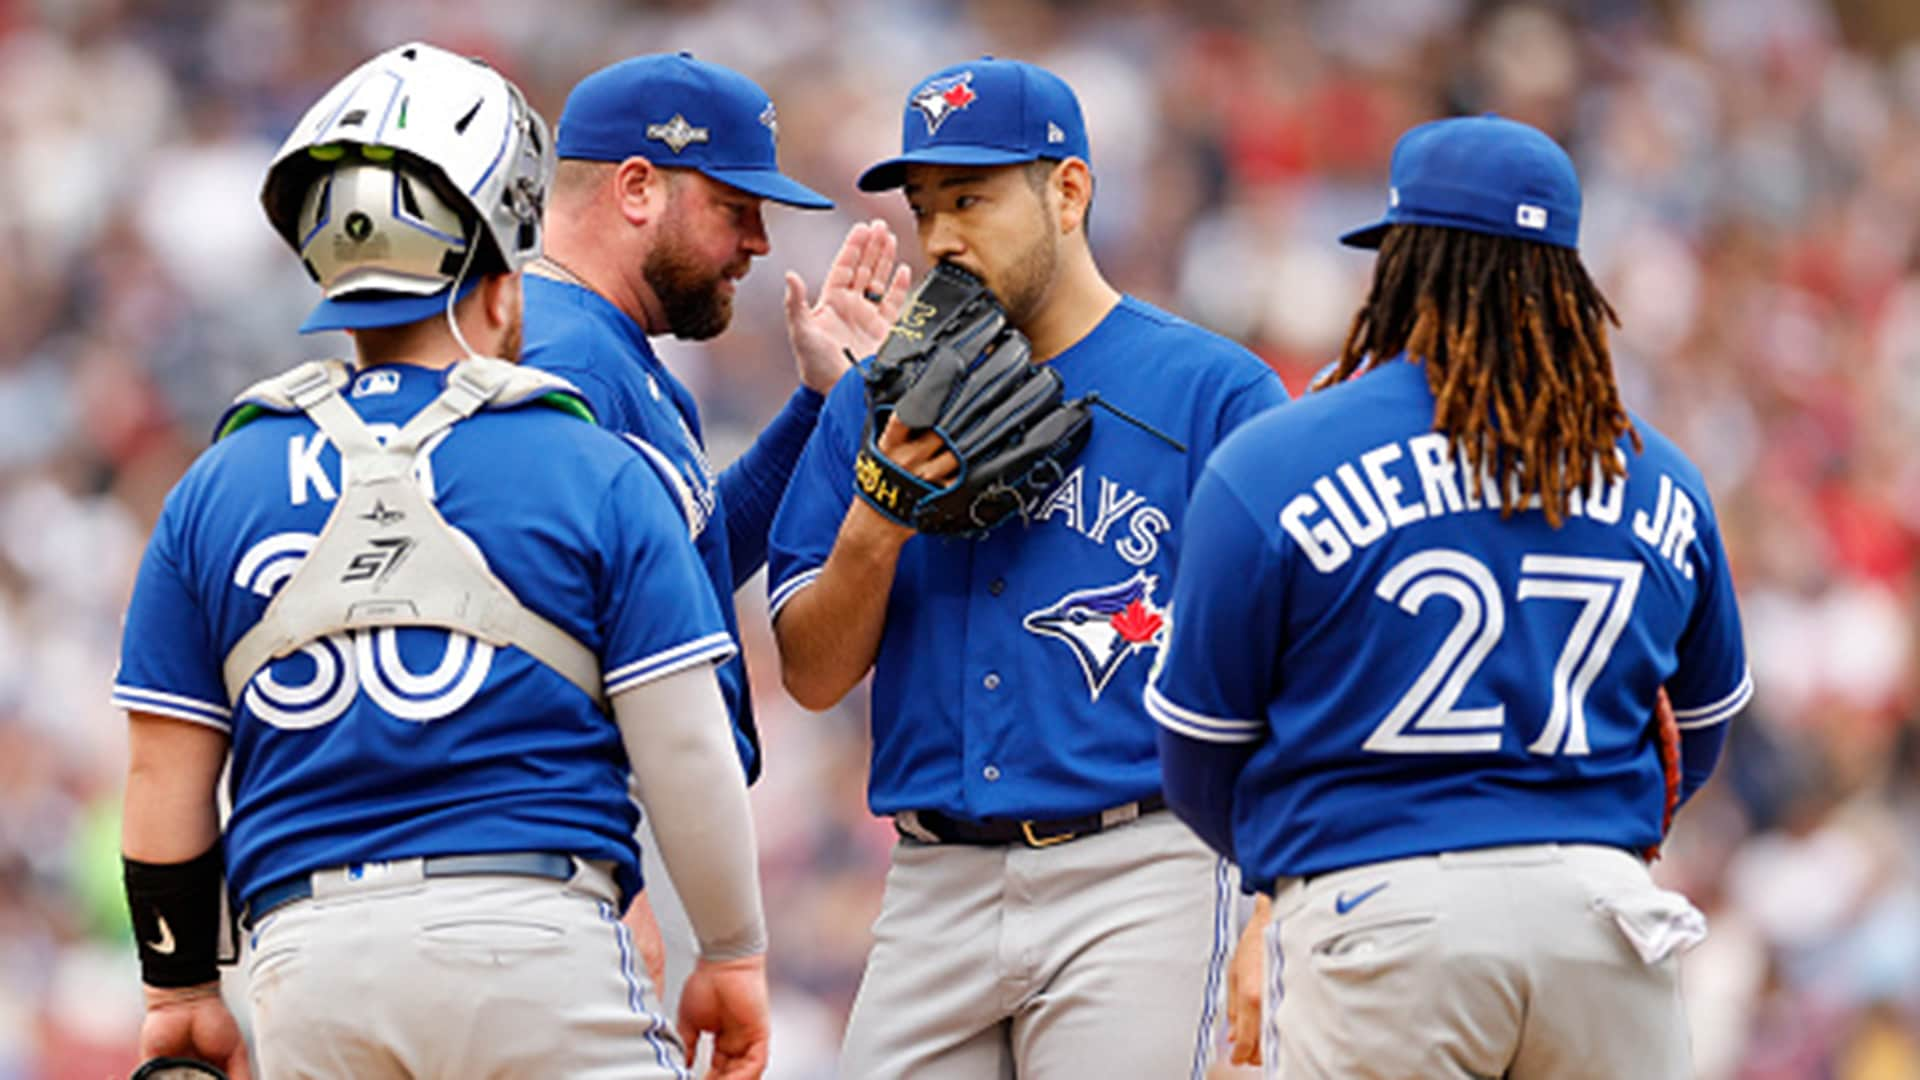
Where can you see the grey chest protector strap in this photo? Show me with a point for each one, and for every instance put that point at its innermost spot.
(386, 557)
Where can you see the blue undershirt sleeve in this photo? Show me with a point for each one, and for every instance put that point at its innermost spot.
(1699, 753)
(751, 487)
(1198, 778)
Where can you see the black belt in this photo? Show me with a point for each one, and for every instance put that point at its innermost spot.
(934, 827)
(536, 864)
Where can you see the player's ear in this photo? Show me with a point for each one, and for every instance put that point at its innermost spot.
(499, 296)
(1072, 189)
(640, 190)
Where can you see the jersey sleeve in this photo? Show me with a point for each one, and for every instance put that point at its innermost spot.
(658, 614)
(168, 665)
(1712, 682)
(805, 526)
(1217, 675)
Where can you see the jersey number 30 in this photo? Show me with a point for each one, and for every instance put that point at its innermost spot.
(1426, 720)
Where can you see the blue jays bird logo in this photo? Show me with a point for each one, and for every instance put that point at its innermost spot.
(1103, 626)
(941, 98)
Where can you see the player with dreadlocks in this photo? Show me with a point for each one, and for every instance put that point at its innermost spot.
(1425, 616)
(1513, 335)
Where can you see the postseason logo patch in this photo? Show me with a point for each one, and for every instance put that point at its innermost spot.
(942, 98)
(1104, 626)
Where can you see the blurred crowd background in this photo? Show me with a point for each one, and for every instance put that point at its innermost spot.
(1752, 172)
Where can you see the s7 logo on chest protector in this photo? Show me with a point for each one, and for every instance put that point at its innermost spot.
(1104, 626)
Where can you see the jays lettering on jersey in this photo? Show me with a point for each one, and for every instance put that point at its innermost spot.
(1009, 674)
(390, 743)
(1404, 672)
(576, 333)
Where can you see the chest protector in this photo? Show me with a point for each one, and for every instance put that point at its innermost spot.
(386, 557)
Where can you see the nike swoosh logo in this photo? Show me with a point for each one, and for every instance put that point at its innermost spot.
(1342, 903)
(164, 946)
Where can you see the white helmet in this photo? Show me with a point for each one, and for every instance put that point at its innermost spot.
(386, 181)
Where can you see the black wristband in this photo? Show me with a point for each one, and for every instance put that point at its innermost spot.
(176, 918)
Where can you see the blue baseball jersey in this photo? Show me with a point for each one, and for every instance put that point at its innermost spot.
(1408, 672)
(1008, 678)
(401, 742)
(578, 334)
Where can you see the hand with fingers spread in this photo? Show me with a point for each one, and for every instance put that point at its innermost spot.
(859, 300)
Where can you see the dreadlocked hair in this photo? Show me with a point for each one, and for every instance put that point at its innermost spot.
(1513, 335)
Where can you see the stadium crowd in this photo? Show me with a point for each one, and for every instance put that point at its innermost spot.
(1752, 175)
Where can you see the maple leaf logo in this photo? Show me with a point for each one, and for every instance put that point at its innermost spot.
(1135, 624)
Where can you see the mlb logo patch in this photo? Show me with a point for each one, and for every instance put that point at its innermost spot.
(1529, 216)
(942, 98)
(375, 383)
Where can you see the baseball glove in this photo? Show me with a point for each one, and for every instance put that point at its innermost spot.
(953, 366)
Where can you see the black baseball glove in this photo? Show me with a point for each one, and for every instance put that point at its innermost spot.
(953, 366)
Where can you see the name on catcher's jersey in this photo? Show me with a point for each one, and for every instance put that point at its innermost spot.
(1421, 674)
(1009, 674)
(388, 743)
(576, 333)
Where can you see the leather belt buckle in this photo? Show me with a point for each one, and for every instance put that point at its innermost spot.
(1026, 830)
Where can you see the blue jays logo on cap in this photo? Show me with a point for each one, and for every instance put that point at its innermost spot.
(988, 112)
(938, 99)
(1104, 626)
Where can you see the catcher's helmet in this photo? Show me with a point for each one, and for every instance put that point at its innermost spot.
(386, 182)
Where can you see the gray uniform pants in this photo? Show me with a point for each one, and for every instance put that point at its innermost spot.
(397, 975)
(1100, 957)
(1507, 962)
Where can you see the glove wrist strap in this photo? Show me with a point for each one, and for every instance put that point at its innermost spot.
(887, 487)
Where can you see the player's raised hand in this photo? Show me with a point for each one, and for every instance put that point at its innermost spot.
(193, 1022)
(862, 294)
(729, 1000)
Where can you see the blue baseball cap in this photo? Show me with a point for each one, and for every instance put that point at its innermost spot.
(988, 112)
(1485, 174)
(368, 310)
(678, 112)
